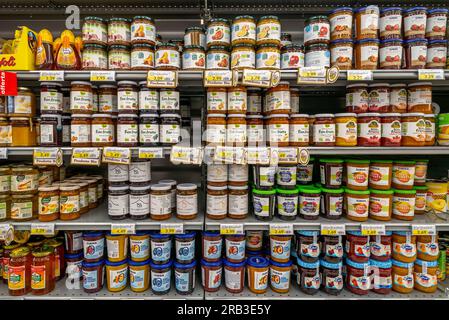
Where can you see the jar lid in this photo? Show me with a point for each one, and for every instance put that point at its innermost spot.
(254, 116)
(414, 9)
(278, 115)
(211, 234)
(437, 10)
(308, 265)
(244, 17)
(234, 265)
(54, 116)
(143, 17)
(380, 264)
(390, 9)
(402, 264)
(411, 41)
(258, 262)
(127, 115)
(157, 235)
(325, 160)
(421, 160)
(402, 233)
(420, 188)
(57, 84)
(429, 264)
(413, 114)
(268, 45)
(264, 192)
(292, 46)
(166, 44)
(118, 19)
(79, 115)
(245, 187)
(190, 265)
(74, 256)
(94, 45)
(299, 115)
(367, 41)
(101, 115)
(390, 191)
(142, 45)
(160, 187)
(315, 18)
(404, 162)
(376, 85)
(118, 188)
(126, 82)
(116, 264)
(268, 17)
(370, 114)
(194, 29)
(308, 233)
(341, 9)
(185, 235)
(83, 83)
(309, 190)
(82, 184)
(359, 192)
(218, 20)
(416, 84)
(287, 191)
(108, 86)
(149, 115)
(48, 188)
(391, 40)
(331, 265)
(355, 85)
(358, 161)
(397, 85)
(68, 187)
(381, 161)
(243, 45)
(20, 252)
(211, 264)
(168, 181)
(339, 190)
(438, 41)
(324, 115)
(347, 114)
(186, 186)
(217, 188)
(193, 47)
(281, 264)
(412, 191)
(93, 264)
(370, 8)
(217, 48)
(295, 89)
(392, 114)
(139, 188)
(93, 18)
(356, 265)
(42, 251)
(170, 115)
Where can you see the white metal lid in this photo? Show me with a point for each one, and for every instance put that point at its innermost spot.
(133, 83)
(429, 115)
(186, 186)
(101, 115)
(238, 187)
(51, 84)
(68, 187)
(216, 115)
(139, 188)
(84, 83)
(396, 85)
(392, 114)
(370, 114)
(357, 85)
(48, 188)
(217, 188)
(347, 114)
(376, 85)
(81, 115)
(299, 115)
(413, 114)
(168, 181)
(160, 187)
(118, 188)
(416, 84)
(324, 115)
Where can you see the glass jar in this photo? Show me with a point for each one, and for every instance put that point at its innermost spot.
(404, 247)
(367, 54)
(193, 58)
(160, 202)
(413, 128)
(19, 271)
(217, 58)
(23, 104)
(143, 30)
(118, 202)
(340, 20)
(107, 99)
(139, 202)
(5, 132)
(119, 32)
(331, 173)
(420, 199)
(368, 129)
(48, 203)
(268, 31)
(167, 57)
(42, 271)
(161, 247)
(264, 204)
(170, 129)
(51, 100)
(403, 175)
(277, 99)
(436, 54)
(149, 130)
(390, 54)
(127, 130)
(402, 276)
(357, 98)
(127, 97)
(81, 98)
(367, 22)
(142, 57)
(398, 98)
(287, 203)
(94, 57)
(357, 204)
(268, 57)
(390, 23)
(278, 130)
(309, 203)
(391, 129)
(211, 275)
(419, 98)
(415, 23)
(195, 36)
(357, 172)
(379, 97)
(243, 56)
(218, 33)
(416, 53)
(103, 132)
(23, 132)
(317, 55)
(24, 179)
(436, 24)
(380, 174)
(404, 204)
(255, 130)
(331, 203)
(381, 204)
(316, 30)
(357, 247)
(243, 30)
(425, 274)
(24, 207)
(346, 129)
(94, 31)
(238, 202)
(331, 249)
(299, 130)
(292, 57)
(430, 129)
(307, 246)
(119, 58)
(51, 130)
(257, 268)
(427, 248)
(148, 99)
(341, 51)
(324, 130)
(69, 205)
(186, 201)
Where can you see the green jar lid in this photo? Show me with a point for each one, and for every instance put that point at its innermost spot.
(264, 192)
(308, 186)
(339, 190)
(421, 188)
(381, 161)
(357, 191)
(309, 190)
(315, 18)
(94, 46)
(94, 18)
(358, 161)
(404, 162)
(331, 160)
(287, 191)
(421, 160)
(390, 191)
(443, 118)
(404, 191)
(317, 184)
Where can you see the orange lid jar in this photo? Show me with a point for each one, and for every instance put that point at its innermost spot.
(367, 22)
(216, 129)
(413, 127)
(299, 130)
(366, 54)
(278, 130)
(346, 129)
(236, 130)
(419, 97)
(324, 130)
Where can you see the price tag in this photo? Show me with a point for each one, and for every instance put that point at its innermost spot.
(47, 157)
(257, 155)
(116, 155)
(373, 229)
(333, 229)
(257, 78)
(281, 229)
(186, 155)
(51, 76)
(231, 228)
(123, 228)
(151, 153)
(303, 156)
(288, 155)
(102, 76)
(6, 233)
(360, 75)
(162, 79)
(86, 156)
(430, 74)
(314, 75)
(43, 229)
(220, 78)
(229, 155)
(172, 228)
(424, 230)
(3, 153)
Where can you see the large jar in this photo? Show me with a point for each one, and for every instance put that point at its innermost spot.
(436, 54)
(420, 97)
(218, 33)
(413, 130)
(390, 54)
(243, 30)
(366, 54)
(340, 20)
(278, 130)
(390, 23)
(415, 23)
(367, 22)
(415, 53)
(436, 23)
(316, 30)
(342, 53)
(94, 31)
(143, 30)
(268, 31)
(357, 98)
(167, 57)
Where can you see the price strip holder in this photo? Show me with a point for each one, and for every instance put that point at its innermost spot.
(116, 155)
(162, 79)
(229, 155)
(102, 76)
(151, 153)
(312, 75)
(6, 233)
(186, 155)
(333, 230)
(220, 78)
(86, 156)
(123, 228)
(43, 229)
(430, 74)
(47, 157)
(51, 75)
(424, 230)
(372, 229)
(172, 228)
(287, 155)
(277, 229)
(256, 155)
(359, 75)
(260, 78)
(231, 228)
(3, 153)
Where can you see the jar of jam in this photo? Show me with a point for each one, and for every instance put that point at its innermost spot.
(309, 203)
(404, 204)
(212, 243)
(119, 57)
(81, 99)
(416, 53)
(238, 202)
(167, 57)
(42, 271)
(255, 130)
(107, 99)
(324, 130)
(390, 23)
(217, 202)
(404, 247)
(390, 54)
(243, 56)
(217, 58)
(357, 98)
(419, 98)
(268, 31)
(367, 54)
(317, 55)
(357, 247)
(421, 172)
(403, 174)
(340, 21)
(398, 97)
(391, 129)
(430, 129)
(299, 130)
(357, 172)
(380, 247)
(211, 275)
(292, 57)
(308, 276)
(413, 127)
(331, 173)
(268, 57)
(278, 130)
(368, 129)
(142, 57)
(264, 204)
(160, 202)
(427, 248)
(358, 279)
(170, 129)
(48, 203)
(236, 130)
(19, 271)
(331, 277)
(234, 276)
(287, 203)
(277, 99)
(51, 100)
(143, 30)
(342, 53)
(331, 204)
(379, 97)
(332, 249)
(119, 31)
(316, 30)
(103, 133)
(127, 97)
(94, 57)
(420, 199)
(307, 246)
(218, 33)
(193, 58)
(415, 23)
(367, 23)
(436, 54)
(357, 204)
(118, 202)
(195, 36)
(425, 274)
(402, 276)
(381, 276)
(94, 31)
(346, 129)
(436, 24)
(127, 130)
(381, 204)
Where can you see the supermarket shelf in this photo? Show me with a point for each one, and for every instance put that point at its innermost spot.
(61, 292)
(251, 223)
(28, 151)
(296, 294)
(98, 219)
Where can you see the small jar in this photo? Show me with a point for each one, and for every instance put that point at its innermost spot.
(286, 176)
(342, 53)
(142, 57)
(278, 99)
(195, 36)
(280, 274)
(237, 202)
(211, 275)
(149, 130)
(367, 54)
(80, 130)
(93, 246)
(307, 246)
(127, 130)
(402, 274)
(94, 30)
(331, 203)
(380, 247)
(299, 130)
(243, 56)
(316, 30)
(268, 57)
(217, 58)
(69, 202)
(48, 203)
(367, 22)
(117, 247)
(420, 172)
(331, 173)
(5, 132)
(436, 54)
(357, 204)
(94, 57)
(212, 243)
(340, 20)
(420, 97)
(218, 33)
(332, 249)
(381, 204)
(216, 100)
(170, 129)
(357, 172)
(430, 129)
(332, 277)
(73, 242)
(436, 23)
(278, 130)
(236, 130)
(148, 99)
(309, 279)
(24, 179)
(237, 100)
(391, 129)
(107, 99)
(403, 175)
(416, 53)
(369, 129)
(81, 99)
(324, 130)
(309, 203)
(160, 202)
(413, 130)
(404, 247)
(415, 22)
(390, 23)
(357, 247)
(167, 57)
(234, 276)
(404, 204)
(184, 277)
(294, 100)
(119, 31)
(292, 57)
(127, 97)
(186, 201)
(193, 58)
(317, 55)
(119, 57)
(264, 204)
(346, 129)
(420, 199)
(118, 202)
(280, 247)
(50, 130)
(287, 203)
(143, 30)
(398, 97)
(268, 31)
(357, 98)
(425, 274)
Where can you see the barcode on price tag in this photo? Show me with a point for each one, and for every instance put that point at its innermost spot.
(333, 229)
(116, 155)
(231, 228)
(430, 74)
(43, 229)
(360, 75)
(424, 230)
(373, 229)
(86, 156)
(281, 229)
(172, 228)
(162, 79)
(123, 228)
(258, 155)
(151, 153)
(219, 78)
(51, 76)
(102, 76)
(47, 157)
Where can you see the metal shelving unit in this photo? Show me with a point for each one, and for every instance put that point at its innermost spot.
(28, 151)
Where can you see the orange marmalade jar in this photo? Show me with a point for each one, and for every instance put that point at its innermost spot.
(216, 129)
(413, 128)
(236, 130)
(278, 99)
(346, 129)
(278, 130)
(299, 130)
(420, 97)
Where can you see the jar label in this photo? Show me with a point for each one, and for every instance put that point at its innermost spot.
(81, 100)
(236, 133)
(313, 282)
(436, 26)
(316, 31)
(94, 31)
(217, 205)
(217, 61)
(342, 57)
(148, 133)
(380, 282)
(94, 59)
(286, 176)
(148, 100)
(310, 250)
(218, 33)
(346, 131)
(379, 175)
(420, 201)
(73, 269)
(235, 250)
(419, 97)
(358, 101)
(405, 249)
(80, 133)
(214, 278)
(323, 133)
(299, 133)
(254, 103)
(436, 57)
(118, 32)
(294, 103)
(5, 134)
(3, 213)
(403, 206)
(277, 100)
(48, 205)
(398, 99)
(142, 59)
(271, 60)
(379, 207)
(320, 58)
(217, 173)
(341, 26)
(186, 205)
(127, 133)
(143, 31)
(278, 133)
(102, 133)
(369, 22)
(161, 251)
(140, 248)
(118, 278)
(238, 204)
(392, 132)
(23, 104)
(415, 130)
(212, 249)
(243, 59)
(415, 25)
(185, 250)
(216, 100)
(335, 205)
(16, 277)
(425, 280)
(378, 100)
(370, 132)
(357, 207)
(418, 56)
(279, 280)
(160, 204)
(215, 133)
(21, 210)
(292, 60)
(140, 171)
(195, 38)
(127, 100)
(268, 31)
(38, 279)
(92, 195)
(309, 206)
(118, 173)
(362, 283)
(369, 56)
(429, 248)
(334, 250)
(390, 56)
(113, 249)
(267, 176)
(430, 130)
(234, 279)
(182, 281)
(237, 101)
(168, 58)
(169, 100)
(93, 249)
(262, 206)
(170, 133)
(139, 205)
(357, 176)
(403, 175)
(260, 280)
(390, 26)
(51, 100)
(238, 173)
(334, 283)
(287, 206)
(378, 249)
(406, 281)
(304, 173)
(47, 133)
(280, 249)
(90, 279)
(243, 30)
(137, 278)
(118, 205)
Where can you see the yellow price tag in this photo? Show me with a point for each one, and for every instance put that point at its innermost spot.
(253, 78)
(423, 230)
(230, 229)
(172, 228)
(214, 78)
(42, 154)
(113, 154)
(42, 229)
(81, 155)
(333, 230)
(155, 78)
(124, 228)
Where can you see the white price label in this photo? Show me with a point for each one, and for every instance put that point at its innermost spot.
(257, 78)
(373, 229)
(116, 155)
(6, 233)
(258, 155)
(316, 75)
(281, 229)
(43, 229)
(424, 230)
(51, 76)
(231, 228)
(151, 153)
(123, 228)
(3, 153)
(108, 76)
(220, 78)
(172, 228)
(287, 155)
(186, 155)
(333, 229)
(47, 157)
(229, 155)
(162, 79)
(430, 74)
(86, 156)
(360, 75)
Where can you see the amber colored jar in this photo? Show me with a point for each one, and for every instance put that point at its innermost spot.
(324, 130)
(48, 203)
(357, 246)
(425, 276)
(257, 268)
(19, 271)
(413, 127)
(415, 53)
(357, 172)
(23, 132)
(58, 251)
(420, 97)
(127, 130)
(268, 57)
(390, 54)
(299, 130)
(278, 130)
(160, 202)
(404, 204)
(346, 129)
(216, 202)
(5, 132)
(357, 98)
(80, 130)
(404, 247)
(167, 57)
(255, 130)
(420, 199)
(24, 103)
(237, 100)
(342, 53)
(340, 20)
(216, 129)
(402, 274)
(367, 23)
(81, 101)
(380, 174)
(69, 202)
(391, 129)
(186, 201)
(278, 99)
(42, 270)
(430, 129)
(367, 54)
(24, 207)
(102, 130)
(243, 56)
(217, 100)
(381, 204)
(236, 130)
(398, 97)
(427, 247)
(357, 204)
(390, 23)
(403, 175)
(238, 202)
(368, 129)
(268, 31)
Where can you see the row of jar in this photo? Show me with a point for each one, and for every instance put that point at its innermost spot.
(324, 130)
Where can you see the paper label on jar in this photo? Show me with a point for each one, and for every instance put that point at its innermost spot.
(334, 283)
(21, 210)
(415, 24)
(430, 248)
(168, 58)
(357, 207)
(379, 249)
(346, 131)
(262, 207)
(80, 133)
(243, 30)
(316, 31)
(140, 248)
(237, 101)
(217, 205)
(103, 133)
(370, 131)
(334, 250)
(81, 100)
(94, 60)
(216, 101)
(118, 32)
(358, 100)
(139, 205)
(142, 59)
(185, 251)
(309, 206)
(406, 281)
(392, 131)
(218, 61)
(169, 100)
(236, 133)
(218, 33)
(149, 100)
(405, 249)
(299, 133)
(90, 279)
(193, 60)
(238, 204)
(287, 206)
(420, 201)
(292, 60)
(217, 173)
(342, 56)
(379, 207)
(243, 59)
(317, 59)
(341, 26)
(379, 175)
(370, 20)
(418, 56)
(17, 277)
(195, 39)
(430, 130)
(398, 99)
(214, 278)
(268, 30)
(419, 97)
(137, 278)
(268, 60)
(267, 176)
(280, 249)
(390, 56)
(280, 280)
(113, 248)
(93, 249)
(6, 134)
(160, 204)
(294, 103)
(186, 205)
(381, 282)
(415, 130)
(286, 176)
(235, 250)
(47, 205)
(323, 133)
(160, 281)
(304, 173)
(127, 133)
(22, 104)
(107, 103)
(233, 279)
(357, 176)
(118, 173)
(140, 171)
(425, 279)
(51, 100)
(278, 100)
(69, 204)
(238, 173)
(254, 103)
(369, 56)
(160, 251)
(143, 31)
(182, 281)
(170, 133)
(212, 249)
(260, 280)
(310, 250)
(335, 205)
(436, 57)
(118, 278)
(436, 26)
(3, 212)
(403, 206)
(390, 25)
(148, 133)
(127, 100)
(47, 133)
